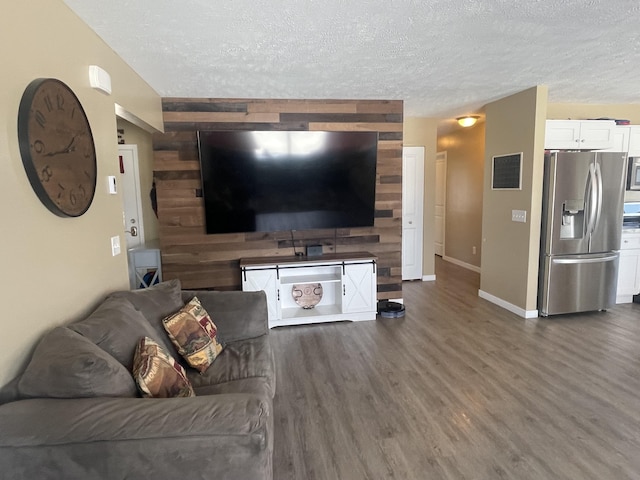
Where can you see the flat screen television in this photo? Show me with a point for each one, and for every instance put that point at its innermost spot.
(268, 181)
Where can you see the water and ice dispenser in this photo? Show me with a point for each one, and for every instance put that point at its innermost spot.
(572, 219)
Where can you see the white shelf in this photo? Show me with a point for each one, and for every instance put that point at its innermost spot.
(317, 311)
(302, 279)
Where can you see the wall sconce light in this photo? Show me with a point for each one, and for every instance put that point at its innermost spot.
(468, 120)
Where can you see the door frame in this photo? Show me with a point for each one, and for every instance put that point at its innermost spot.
(442, 157)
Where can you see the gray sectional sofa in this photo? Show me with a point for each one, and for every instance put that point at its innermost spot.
(75, 412)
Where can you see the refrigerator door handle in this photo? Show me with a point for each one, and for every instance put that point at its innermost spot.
(573, 261)
(591, 198)
(598, 172)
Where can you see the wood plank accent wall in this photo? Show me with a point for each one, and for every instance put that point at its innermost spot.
(212, 261)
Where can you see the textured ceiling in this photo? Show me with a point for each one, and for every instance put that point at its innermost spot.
(442, 57)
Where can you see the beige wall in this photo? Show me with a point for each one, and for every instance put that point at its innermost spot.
(510, 250)
(465, 171)
(134, 135)
(56, 269)
(423, 132)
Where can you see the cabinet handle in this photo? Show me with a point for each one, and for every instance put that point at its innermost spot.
(278, 294)
(582, 140)
(344, 290)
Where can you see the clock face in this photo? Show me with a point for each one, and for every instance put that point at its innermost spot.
(57, 147)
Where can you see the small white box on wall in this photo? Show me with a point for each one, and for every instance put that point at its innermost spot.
(100, 79)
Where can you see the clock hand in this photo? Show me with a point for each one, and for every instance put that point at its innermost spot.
(69, 148)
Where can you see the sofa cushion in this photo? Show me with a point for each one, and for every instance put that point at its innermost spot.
(244, 359)
(116, 327)
(157, 374)
(67, 365)
(155, 303)
(194, 335)
(261, 386)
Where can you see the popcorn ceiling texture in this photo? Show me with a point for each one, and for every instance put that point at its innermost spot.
(442, 57)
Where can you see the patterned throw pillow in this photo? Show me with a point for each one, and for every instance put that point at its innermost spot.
(194, 334)
(157, 374)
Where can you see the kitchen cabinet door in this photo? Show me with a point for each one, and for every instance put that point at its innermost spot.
(620, 139)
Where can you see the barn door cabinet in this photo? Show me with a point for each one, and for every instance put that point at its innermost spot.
(336, 287)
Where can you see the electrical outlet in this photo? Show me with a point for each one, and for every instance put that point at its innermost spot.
(519, 216)
(473, 250)
(115, 245)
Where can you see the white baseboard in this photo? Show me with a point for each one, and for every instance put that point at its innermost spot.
(428, 278)
(508, 306)
(462, 264)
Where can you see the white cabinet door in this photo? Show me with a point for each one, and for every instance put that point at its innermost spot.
(620, 139)
(628, 270)
(359, 288)
(267, 280)
(562, 134)
(595, 134)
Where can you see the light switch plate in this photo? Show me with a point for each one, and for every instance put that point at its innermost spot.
(519, 216)
(115, 245)
(113, 186)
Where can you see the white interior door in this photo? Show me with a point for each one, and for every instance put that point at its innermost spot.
(412, 211)
(130, 185)
(441, 201)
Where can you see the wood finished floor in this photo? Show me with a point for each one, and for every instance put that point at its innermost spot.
(459, 389)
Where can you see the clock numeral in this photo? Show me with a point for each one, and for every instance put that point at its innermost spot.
(48, 103)
(46, 174)
(77, 195)
(40, 118)
(38, 146)
(60, 103)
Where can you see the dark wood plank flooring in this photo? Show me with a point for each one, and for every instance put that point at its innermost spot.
(459, 389)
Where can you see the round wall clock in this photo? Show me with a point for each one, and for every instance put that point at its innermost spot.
(57, 147)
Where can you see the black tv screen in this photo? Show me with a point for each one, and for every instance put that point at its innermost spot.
(268, 181)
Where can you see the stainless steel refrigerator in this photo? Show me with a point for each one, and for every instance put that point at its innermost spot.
(583, 199)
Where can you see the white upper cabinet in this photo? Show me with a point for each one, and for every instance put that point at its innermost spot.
(579, 134)
(634, 141)
(620, 139)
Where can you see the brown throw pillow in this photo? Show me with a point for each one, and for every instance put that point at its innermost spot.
(157, 374)
(194, 334)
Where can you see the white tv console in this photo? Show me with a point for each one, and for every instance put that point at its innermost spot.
(348, 286)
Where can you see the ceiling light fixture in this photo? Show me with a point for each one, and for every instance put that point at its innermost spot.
(468, 120)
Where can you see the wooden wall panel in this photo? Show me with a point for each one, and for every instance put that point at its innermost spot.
(212, 261)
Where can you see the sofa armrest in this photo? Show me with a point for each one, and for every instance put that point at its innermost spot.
(238, 315)
(48, 422)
